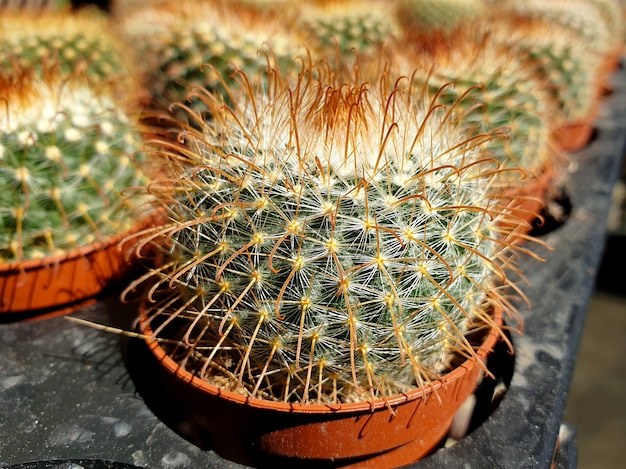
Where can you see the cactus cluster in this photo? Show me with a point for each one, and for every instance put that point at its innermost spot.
(330, 241)
(334, 237)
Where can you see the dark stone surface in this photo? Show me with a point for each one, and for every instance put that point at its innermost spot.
(71, 393)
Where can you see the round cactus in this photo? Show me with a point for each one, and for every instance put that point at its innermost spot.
(490, 88)
(330, 241)
(559, 55)
(177, 42)
(582, 17)
(66, 156)
(595, 26)
(443, 15)
(70, 41)
(346, 26)
(612, 14)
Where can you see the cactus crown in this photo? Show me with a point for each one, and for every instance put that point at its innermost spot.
(582, 18)
(440, 14)
(330, 241)
(66, 155)
(347, 25)
(611, 12)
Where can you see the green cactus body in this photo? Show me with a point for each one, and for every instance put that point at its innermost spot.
(332, 242)
(489, 89)
(70, 41)
(498, 103)
(347, 26)
(443, 15)
(582, 17)
(178, 41)
(569, 67)
(66, 156)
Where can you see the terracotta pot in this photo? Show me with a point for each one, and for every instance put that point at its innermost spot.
(526, 200)
(60, 281)
(377, 434)
(609, 64)
(573, 136)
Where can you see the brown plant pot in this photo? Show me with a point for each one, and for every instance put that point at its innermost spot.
(67, 279)
(526, 200)
(378, 434)
(573, 136)
(609, 64)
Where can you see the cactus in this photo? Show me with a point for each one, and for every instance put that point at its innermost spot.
(331, 241)
(582, 17)
(491, 89)
(559, 55)
(66, 156)
(67, 139)
(70, 41)
(177, 42)
(444, 15)
(594, 29)
(611, 12)
(347, 26)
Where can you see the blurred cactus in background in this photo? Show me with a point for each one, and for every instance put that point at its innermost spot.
(440, 15)
(179, 44)
(80, 41)
(67, 153)
(489, 88)
(346, 27)
(68, 139)
(568, 41)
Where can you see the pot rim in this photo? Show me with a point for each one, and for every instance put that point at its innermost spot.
(480, 354)
(80, 251)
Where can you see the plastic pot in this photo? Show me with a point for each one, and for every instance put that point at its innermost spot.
(574, 135)
(526, 200)
(380, 433)
(58, 281)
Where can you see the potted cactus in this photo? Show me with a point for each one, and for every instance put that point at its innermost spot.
(67, 155)
(332, 247)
